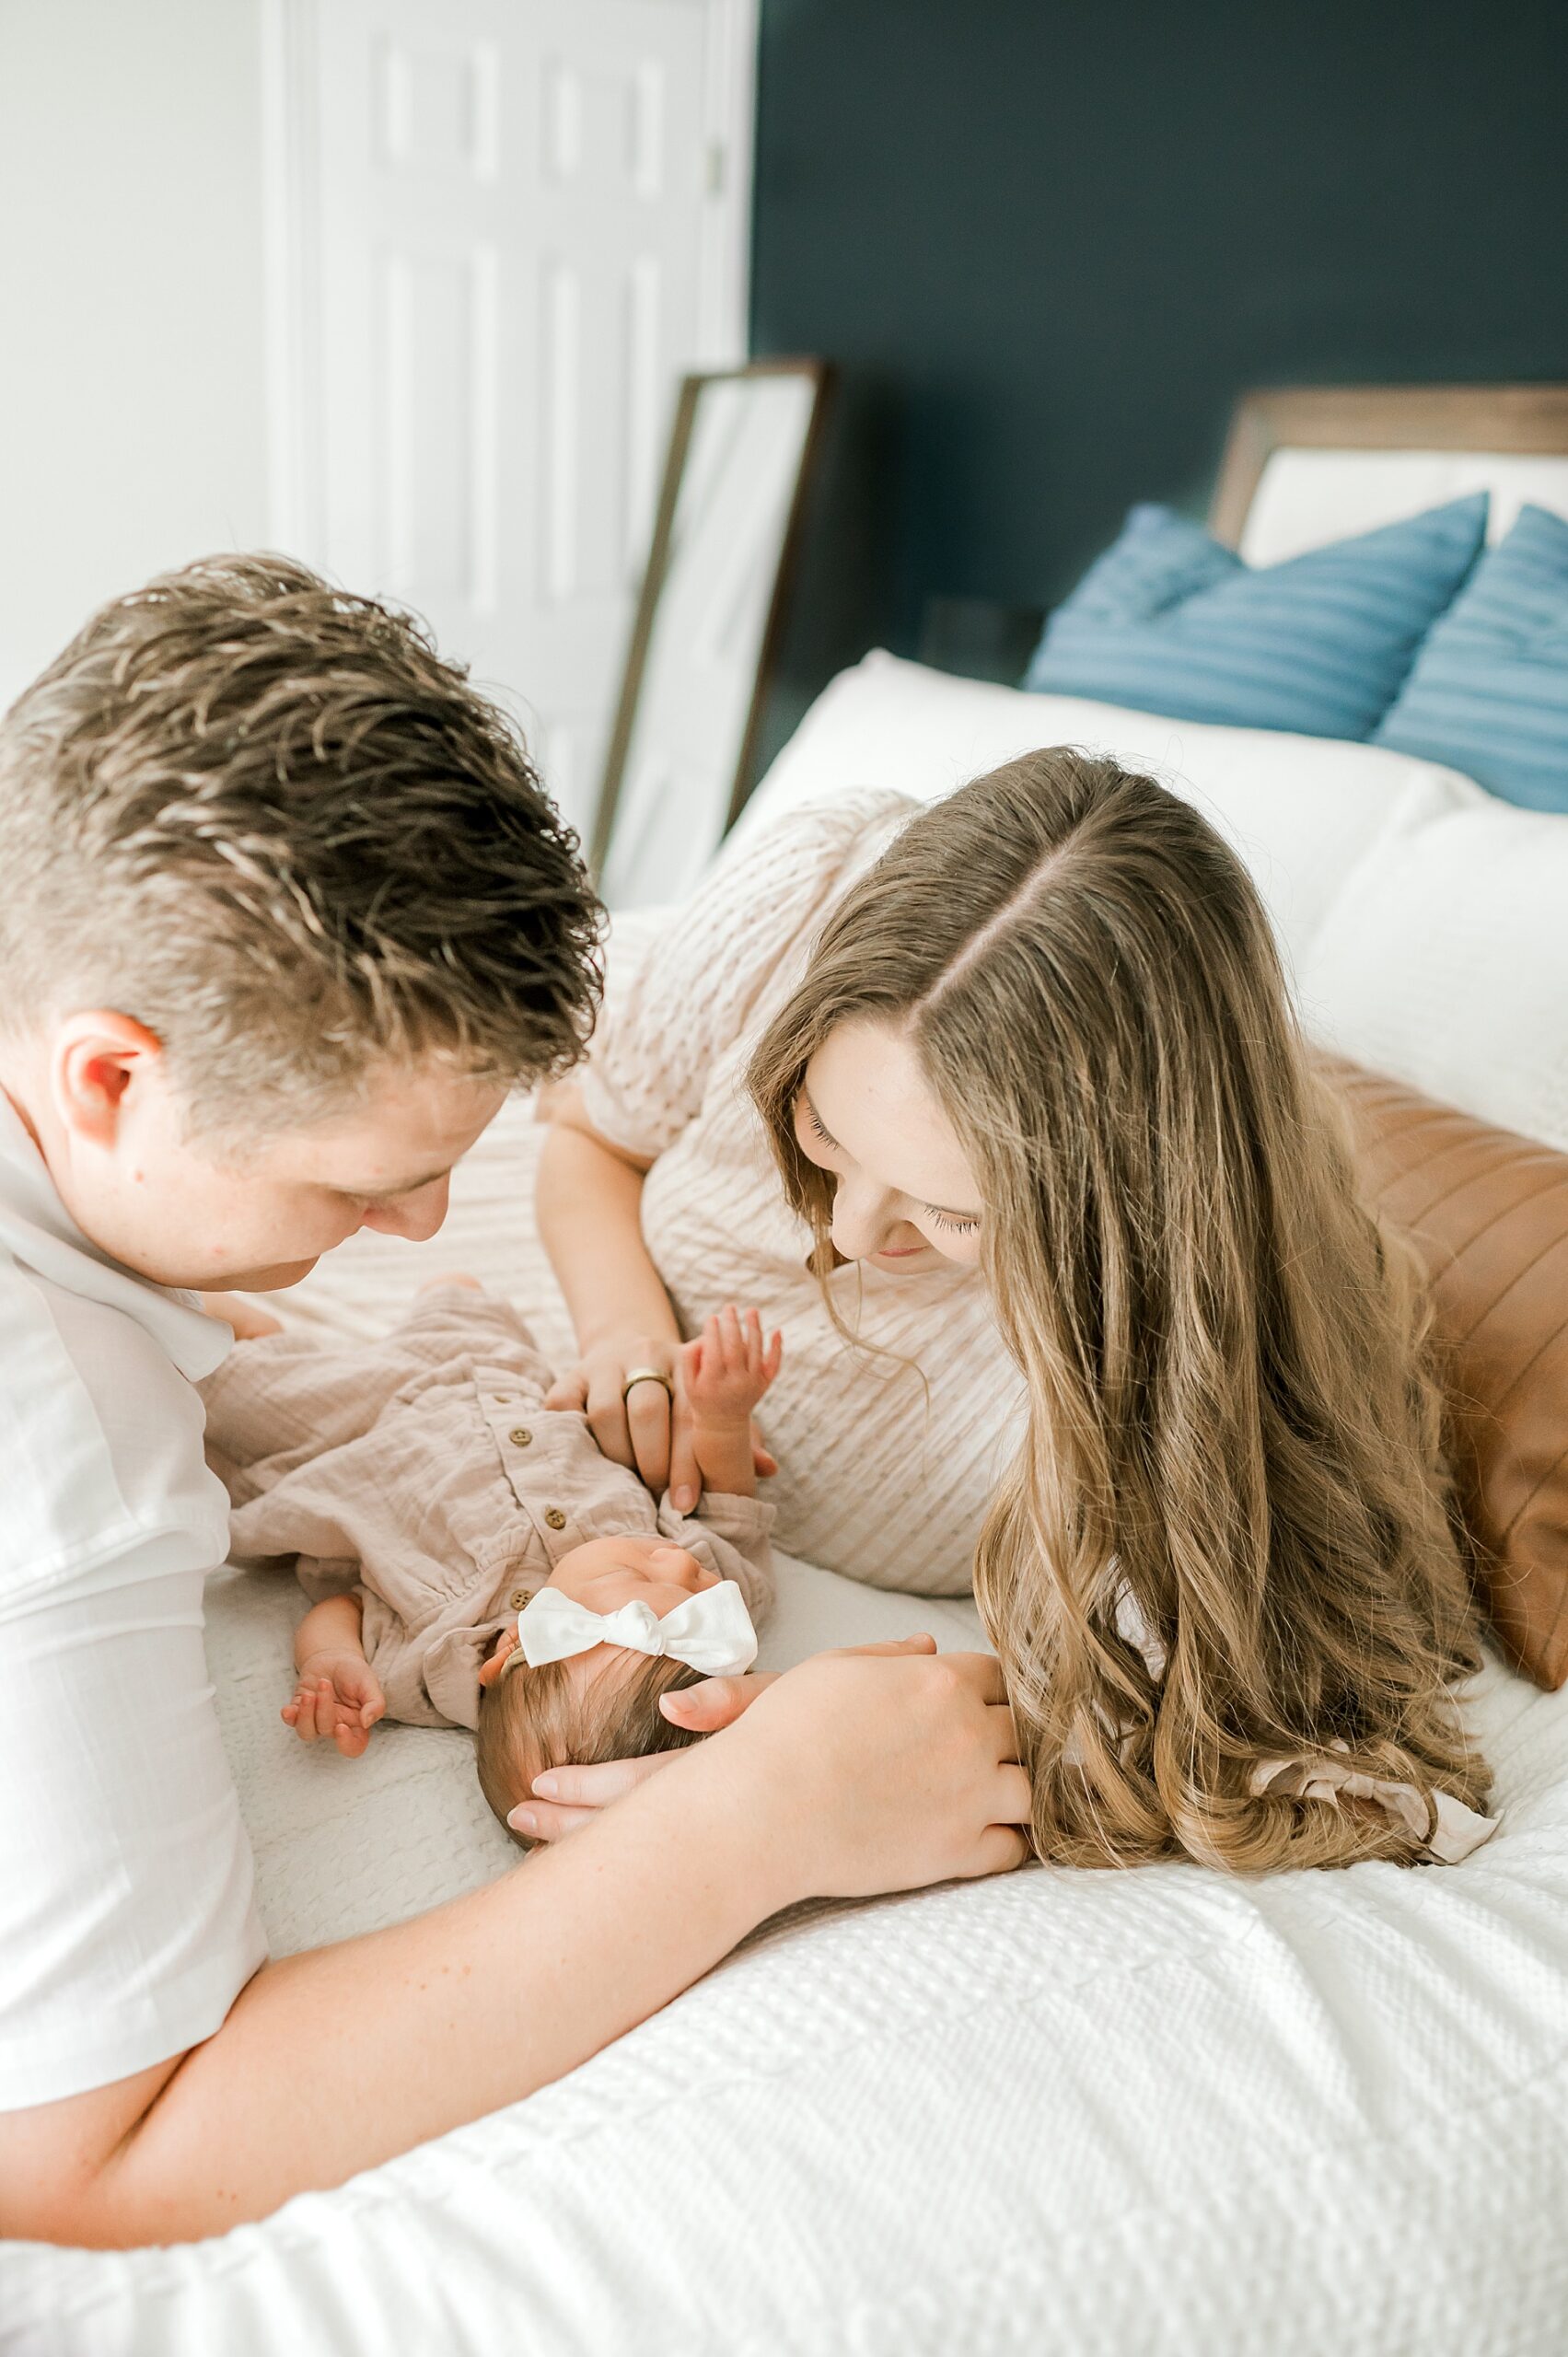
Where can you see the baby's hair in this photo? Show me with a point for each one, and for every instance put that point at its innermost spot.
(267, 820)
(534, 1719)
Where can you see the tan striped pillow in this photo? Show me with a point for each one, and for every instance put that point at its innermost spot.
(1488, 1213)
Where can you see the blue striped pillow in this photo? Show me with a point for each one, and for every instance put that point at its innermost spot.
(1168, 620)
(1488, 693)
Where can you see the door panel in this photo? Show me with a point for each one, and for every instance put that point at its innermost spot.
(516, 214)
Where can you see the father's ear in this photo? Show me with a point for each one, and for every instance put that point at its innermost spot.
(98, 1057)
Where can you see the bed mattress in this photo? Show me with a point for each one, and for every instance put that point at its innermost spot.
(1097, 2113)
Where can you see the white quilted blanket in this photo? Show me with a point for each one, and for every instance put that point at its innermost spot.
(1129, 2114)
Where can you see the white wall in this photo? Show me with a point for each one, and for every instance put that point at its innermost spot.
(132, 378)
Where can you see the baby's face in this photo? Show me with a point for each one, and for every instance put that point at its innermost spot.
(602, 1577)
(608, 1573)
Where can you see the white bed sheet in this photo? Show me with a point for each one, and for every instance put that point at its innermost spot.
(1129, 2114)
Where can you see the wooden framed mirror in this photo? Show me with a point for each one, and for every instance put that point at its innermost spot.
(705, 635)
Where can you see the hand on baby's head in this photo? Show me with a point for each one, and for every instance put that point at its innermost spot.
(621, 1623)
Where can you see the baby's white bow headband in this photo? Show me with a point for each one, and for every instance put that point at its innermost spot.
(711, 1631)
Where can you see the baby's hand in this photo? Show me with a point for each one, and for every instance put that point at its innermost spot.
(725, 1370)
(338, 1698)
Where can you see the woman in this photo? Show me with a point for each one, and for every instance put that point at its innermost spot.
(1048, 1139)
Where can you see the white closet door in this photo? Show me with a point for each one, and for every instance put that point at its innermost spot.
(509, 226)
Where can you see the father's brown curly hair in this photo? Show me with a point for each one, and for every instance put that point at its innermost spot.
(266, 819)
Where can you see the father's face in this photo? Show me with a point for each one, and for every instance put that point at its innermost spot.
(207, 1214)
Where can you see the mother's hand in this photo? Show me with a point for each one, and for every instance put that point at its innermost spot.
(647, 1428)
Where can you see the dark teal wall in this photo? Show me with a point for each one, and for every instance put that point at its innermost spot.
(1048, 243)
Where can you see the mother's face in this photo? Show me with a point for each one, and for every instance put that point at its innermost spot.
(907, 1195)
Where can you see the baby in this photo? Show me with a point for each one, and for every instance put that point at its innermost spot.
(471, 1558)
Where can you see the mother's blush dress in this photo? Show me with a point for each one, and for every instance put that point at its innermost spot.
(882, 1476)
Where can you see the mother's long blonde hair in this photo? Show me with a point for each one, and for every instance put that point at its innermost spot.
(1233, 1442)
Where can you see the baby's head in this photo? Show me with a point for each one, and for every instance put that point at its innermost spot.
(601, 1704)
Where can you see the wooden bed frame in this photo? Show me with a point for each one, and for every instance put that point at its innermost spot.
(1528, 419)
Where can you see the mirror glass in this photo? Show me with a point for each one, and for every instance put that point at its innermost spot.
(696, 672)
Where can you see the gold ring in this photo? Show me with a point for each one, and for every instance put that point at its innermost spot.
(647, 1375)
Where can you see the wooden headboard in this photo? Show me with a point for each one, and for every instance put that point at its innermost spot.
(1510, 421)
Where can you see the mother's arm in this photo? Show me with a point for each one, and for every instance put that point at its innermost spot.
(692, 996)
(590, 1212)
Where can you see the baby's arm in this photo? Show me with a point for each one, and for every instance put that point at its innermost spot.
(250, 1322)
(338, 1694)
(723, 1372)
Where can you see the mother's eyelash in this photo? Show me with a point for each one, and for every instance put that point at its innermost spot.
(951, 1226)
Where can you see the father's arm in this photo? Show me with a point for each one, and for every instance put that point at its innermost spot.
(333, 2060)
(850, 1775)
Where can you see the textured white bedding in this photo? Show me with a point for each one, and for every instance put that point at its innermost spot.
(1129, 2114)
(1120, 2114)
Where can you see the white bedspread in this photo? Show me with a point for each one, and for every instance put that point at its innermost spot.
(1129, 2114)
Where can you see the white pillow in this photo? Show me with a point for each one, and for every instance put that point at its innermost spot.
(1300, 811)
(1444, 961)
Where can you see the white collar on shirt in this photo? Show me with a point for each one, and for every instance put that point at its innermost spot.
(39, 1234)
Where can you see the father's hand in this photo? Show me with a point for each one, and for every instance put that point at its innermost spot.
(568, 1797)
(854, 1776)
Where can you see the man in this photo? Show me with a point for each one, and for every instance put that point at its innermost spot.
(284, 914)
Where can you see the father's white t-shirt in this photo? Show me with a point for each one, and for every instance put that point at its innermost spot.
(127, 1920)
